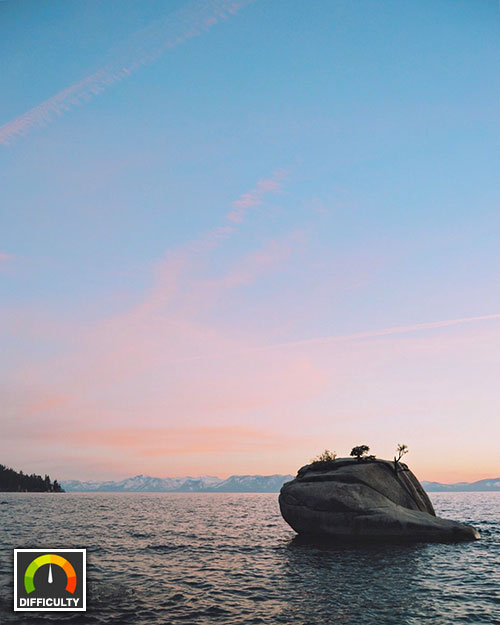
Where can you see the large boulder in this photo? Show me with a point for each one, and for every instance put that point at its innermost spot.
(365, 499)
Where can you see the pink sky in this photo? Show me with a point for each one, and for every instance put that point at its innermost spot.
(169, 386)
(236, 233)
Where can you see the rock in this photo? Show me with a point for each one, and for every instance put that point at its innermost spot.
(351, 499)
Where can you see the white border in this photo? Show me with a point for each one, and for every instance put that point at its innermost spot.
(48, 551)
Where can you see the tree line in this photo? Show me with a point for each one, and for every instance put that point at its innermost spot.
(19, 482)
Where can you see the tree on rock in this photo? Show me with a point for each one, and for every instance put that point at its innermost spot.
(401, 450)
(360, 452)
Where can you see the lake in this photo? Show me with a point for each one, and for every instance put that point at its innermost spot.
(230, 558)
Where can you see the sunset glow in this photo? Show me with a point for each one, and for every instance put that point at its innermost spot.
(222, 251)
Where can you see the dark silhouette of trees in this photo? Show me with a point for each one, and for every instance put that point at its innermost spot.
(360, 452)
(13, 481)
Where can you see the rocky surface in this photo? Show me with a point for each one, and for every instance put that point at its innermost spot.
(367, 499)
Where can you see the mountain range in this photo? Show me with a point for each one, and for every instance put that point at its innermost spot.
(492, 484)
(205, 484)
(237, 484)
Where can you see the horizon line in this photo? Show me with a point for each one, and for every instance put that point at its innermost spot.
(192, 477)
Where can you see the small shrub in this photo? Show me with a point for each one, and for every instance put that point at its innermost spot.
(324, 461)
(326, 456)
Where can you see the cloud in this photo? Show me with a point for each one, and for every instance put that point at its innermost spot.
(137, 369)
(174, 440)
(253, 198)
(46, 404)
(170, 269)
(142, 48)
(191, 377)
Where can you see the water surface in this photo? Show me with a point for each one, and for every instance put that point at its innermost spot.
(230, 558)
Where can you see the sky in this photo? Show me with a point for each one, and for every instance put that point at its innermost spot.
(234, 233)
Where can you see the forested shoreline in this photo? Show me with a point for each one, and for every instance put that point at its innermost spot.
(18, 482)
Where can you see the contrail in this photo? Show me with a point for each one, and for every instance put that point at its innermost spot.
(139, 49)
(383, 332)
(344, 338)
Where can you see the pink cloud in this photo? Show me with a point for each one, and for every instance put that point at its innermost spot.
(46, 404)
(139, 407)
(170, 270)
(164, 330)
(143, 366)
(175, 384)
(254, 197)
(260, 263)
(175, 440)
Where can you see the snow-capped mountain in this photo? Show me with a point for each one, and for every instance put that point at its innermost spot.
(492, 484)
(252, 483)
(207, 483)
(144, 483)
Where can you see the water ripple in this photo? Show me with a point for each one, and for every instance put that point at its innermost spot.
(230, 559)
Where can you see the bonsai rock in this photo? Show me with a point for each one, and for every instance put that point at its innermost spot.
(369, 499)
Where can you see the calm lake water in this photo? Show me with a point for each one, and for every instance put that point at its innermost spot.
(230, 558)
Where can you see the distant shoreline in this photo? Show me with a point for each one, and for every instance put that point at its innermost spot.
(241, 484)
(19, 482)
